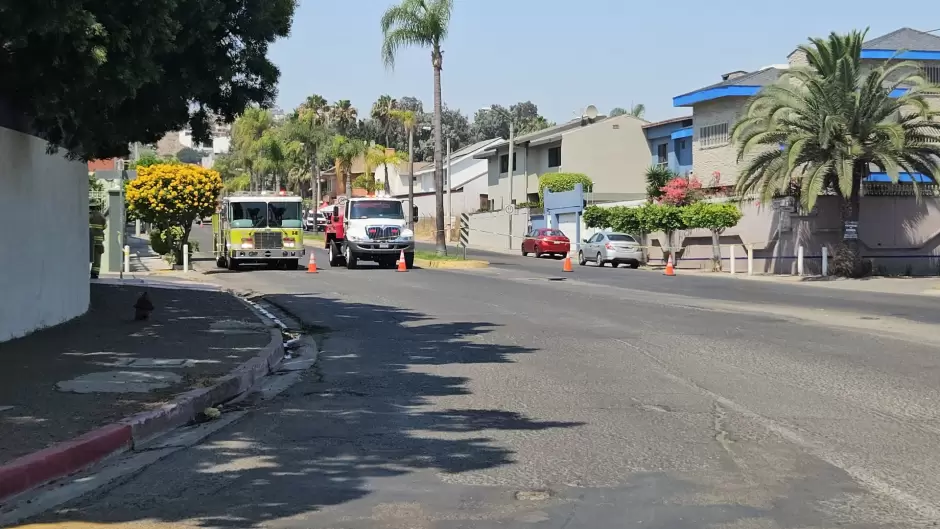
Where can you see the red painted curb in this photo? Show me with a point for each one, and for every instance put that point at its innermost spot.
(62, 459)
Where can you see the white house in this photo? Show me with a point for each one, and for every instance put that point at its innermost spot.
(468, 187)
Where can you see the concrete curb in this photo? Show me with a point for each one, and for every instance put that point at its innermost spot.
(69, 457)
(452, 265)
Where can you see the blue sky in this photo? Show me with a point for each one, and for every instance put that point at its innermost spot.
(563, 54)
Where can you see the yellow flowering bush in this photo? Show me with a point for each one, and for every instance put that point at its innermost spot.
(173, 195)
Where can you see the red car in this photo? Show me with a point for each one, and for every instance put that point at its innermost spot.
(546, 241)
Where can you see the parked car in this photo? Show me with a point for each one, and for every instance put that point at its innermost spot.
(546, 241)
(613, 248)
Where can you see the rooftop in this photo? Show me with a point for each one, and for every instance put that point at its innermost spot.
(744, 85)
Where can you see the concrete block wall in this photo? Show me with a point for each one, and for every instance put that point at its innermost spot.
(721, 158)
(44, 263)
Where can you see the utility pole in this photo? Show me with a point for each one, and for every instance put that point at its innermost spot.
(449, 187)
(512, 140)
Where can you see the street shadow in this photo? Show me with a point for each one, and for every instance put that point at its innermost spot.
(376, 406)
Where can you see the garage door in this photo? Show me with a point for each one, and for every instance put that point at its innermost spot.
(567, 223)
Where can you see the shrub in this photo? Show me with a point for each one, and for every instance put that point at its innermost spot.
(559, 182)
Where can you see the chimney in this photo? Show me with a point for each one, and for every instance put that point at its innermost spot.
(797, 58)
(733, 75)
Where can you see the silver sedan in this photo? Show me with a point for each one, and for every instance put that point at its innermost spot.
(613, 248)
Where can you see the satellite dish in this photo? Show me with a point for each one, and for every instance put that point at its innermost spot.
(590, 112)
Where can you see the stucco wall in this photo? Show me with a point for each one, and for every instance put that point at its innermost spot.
(613, 153)
(491, 230)
(44, 261)
(723, 159)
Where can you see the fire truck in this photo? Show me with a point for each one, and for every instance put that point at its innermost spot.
(370, 229)
(259, 228)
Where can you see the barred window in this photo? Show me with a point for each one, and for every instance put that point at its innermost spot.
(932, 74)
(713, 135)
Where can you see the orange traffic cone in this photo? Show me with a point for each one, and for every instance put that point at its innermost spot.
(566, 267)
(670, 271)
(312, 266)
(402, 266)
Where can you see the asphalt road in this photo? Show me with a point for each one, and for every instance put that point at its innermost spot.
(517, 397)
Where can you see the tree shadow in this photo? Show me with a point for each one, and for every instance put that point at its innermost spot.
(376, 406)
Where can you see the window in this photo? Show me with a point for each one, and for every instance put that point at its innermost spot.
(376, 209)
(596, 238)
(932, 73)
(284, 214)
(662, 153)
(713, 135)
(619, 237)
(504, 163)
(551, 233)
(554, 157)
(484, 202)
(249, 215)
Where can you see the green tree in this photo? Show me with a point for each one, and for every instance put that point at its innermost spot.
(246, 141)
(343, 116)
(147, 159)
(423, 23)
(308, 125)
(189, 155)
(657, 176)
(368, 182)
(378, 156)
(127, 72)
(823, 127)
(382, 112)
(408, 120)
(637, 111)
(714, 217)
(665, 218)
(344, 150)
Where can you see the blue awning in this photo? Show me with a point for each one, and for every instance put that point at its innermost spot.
(902, 177)
(682, 133)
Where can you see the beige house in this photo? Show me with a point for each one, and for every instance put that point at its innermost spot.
(612, 151)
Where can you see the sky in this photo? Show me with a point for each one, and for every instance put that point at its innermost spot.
(564, 55)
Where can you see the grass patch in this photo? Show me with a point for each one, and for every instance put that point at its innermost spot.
(432, 256)
(318, 237)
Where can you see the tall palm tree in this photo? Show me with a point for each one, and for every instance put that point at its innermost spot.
(822, 128)
(423, 23)
(378, 156)
(638, 111)
(343, 116)
(408, 120)
(382, 112)
(308, 125)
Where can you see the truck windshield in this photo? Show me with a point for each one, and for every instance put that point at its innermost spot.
(249, 214)
(284, 215)
(376, 209)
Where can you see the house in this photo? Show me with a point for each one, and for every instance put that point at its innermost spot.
(670, 144)
(468, 187)
(716, 107)
(333, 185)
(612, 151)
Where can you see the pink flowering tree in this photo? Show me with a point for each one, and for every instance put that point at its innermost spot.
(681, 191)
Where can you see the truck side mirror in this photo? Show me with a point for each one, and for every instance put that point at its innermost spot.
(414, 213)
(335, 211)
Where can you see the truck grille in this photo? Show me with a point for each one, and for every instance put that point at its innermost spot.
(265, 240)
(379, 233)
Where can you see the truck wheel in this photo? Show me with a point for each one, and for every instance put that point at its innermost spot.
(220, 262)
(335, 258)
(232, 264)
(291, 264)
(409, 260)
(351, 259)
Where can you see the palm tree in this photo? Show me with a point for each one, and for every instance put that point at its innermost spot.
(276, 153)
(637, 111)
(344, 151)
(821, 129)
(408, 120)
(308, 125)
(378, 155)
(382, 112)
(343, 116)
(246, 138)
(423, 23)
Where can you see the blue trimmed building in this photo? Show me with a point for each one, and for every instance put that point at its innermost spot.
(716, 107)
(670, 144)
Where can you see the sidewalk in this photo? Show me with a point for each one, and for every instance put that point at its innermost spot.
(103, 367)
(912, 286)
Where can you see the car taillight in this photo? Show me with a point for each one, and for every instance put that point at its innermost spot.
(247, 243)
(609, 246)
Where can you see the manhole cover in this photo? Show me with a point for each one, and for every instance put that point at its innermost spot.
(120, 382)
